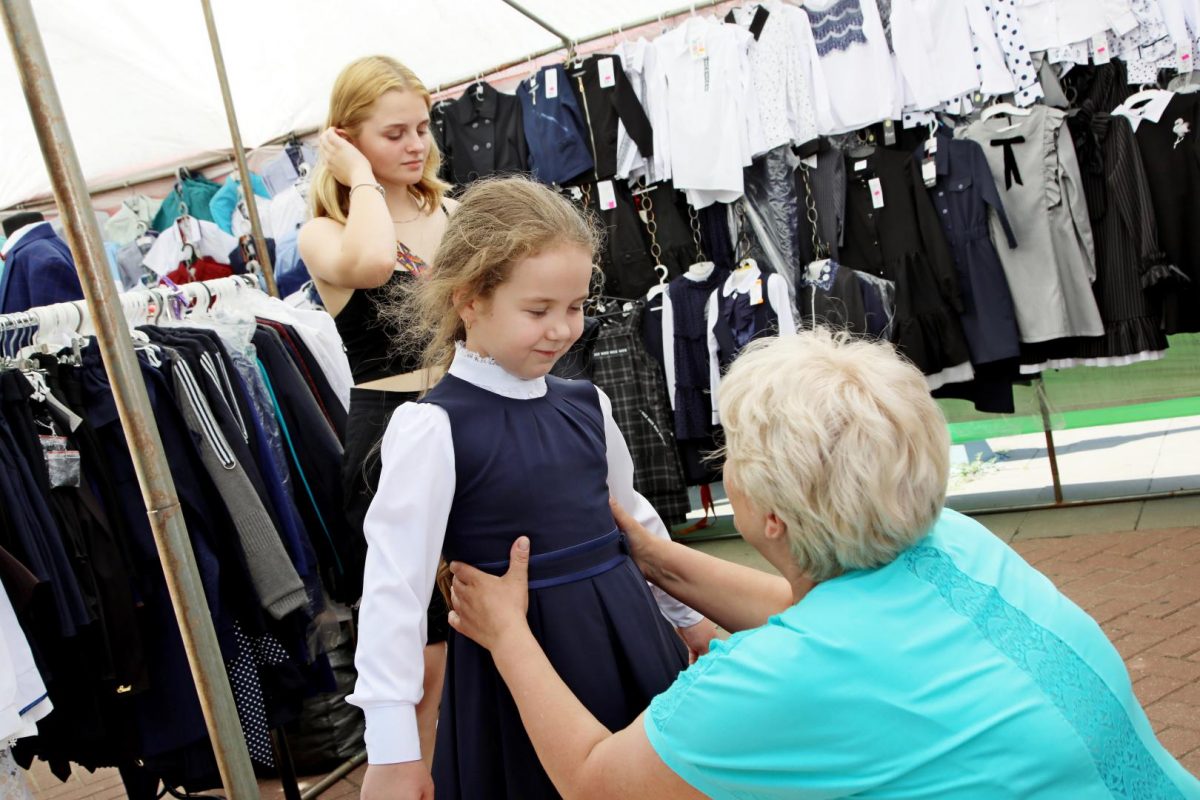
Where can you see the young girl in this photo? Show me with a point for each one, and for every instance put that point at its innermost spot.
(498, 449)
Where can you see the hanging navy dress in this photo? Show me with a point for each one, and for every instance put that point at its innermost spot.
(538, 467)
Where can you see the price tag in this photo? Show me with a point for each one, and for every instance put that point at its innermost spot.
(608, 78)
(929, 172)
(551, 84)
(1100, 52)
(756, 293)
(931, 145)
(876, 188)
(889, 132)
(697, 47)
(1185, 59)
(859, 166)
(608, 197)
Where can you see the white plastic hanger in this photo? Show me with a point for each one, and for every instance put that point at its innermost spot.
(661, 286)
(1008, 109)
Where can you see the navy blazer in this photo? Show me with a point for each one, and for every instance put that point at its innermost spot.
(38, 271)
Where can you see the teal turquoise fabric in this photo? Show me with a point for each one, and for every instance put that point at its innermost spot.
(957, 671)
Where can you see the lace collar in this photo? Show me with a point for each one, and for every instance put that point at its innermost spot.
(485, 373)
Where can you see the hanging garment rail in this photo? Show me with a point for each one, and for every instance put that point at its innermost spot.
(138, 306)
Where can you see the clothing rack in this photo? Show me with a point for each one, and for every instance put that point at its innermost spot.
(137, 305)
(143, 306)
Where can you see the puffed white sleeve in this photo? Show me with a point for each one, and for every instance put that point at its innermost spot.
(781, 301)
(714, 351)
(668, 334)
(620, 486)
(405, 527)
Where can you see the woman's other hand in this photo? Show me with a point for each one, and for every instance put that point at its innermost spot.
(489, 609)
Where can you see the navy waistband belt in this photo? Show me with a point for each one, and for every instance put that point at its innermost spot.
(570, 564)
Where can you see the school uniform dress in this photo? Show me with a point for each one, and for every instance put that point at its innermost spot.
(484, 458)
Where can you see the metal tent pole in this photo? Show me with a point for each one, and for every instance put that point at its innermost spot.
(133, 404)
(260, 243)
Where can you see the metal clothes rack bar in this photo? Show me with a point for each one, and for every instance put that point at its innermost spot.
(133, 404)
(76, 314)
(261, 254)
(206, 161)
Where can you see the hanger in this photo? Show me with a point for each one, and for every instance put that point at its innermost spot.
(864, 144)
(1007, 109)
(1145, 93)
(661, 286)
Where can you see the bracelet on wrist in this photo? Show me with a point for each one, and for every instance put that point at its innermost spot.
(376, 186)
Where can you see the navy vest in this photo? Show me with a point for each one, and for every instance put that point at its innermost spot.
(535, 467)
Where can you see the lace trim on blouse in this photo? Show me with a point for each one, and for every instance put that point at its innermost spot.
(461, 351)
(837, 27)
(1082, 697)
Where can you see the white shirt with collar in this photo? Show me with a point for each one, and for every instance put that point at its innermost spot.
(405, 529)
(1061, 23)
(715, 129)
(773, 290)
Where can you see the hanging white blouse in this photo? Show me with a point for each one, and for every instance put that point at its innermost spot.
(854, 75)
(712, 111)
(932, 42)
(23, 698)
(649, 84)
(405, 528)
(1148, 47)
(994, 77)
(1182, 18)
(1060, 23)
(781, 68)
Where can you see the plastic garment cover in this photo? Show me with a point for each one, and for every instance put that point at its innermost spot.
(771, 211)
(329, 730)
(879, 297)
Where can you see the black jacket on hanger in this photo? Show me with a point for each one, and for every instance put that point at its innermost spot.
(483, 135)
(602, 105)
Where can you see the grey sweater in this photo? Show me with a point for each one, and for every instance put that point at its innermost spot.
(276, 582)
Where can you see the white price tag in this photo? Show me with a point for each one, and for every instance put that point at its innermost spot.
(1100, 52)
(1185, 59)
(697, 47)
(931, 145)
(608, 197)
(929, 172)
(876, 188)
(551, 84)
(859, 166)
(608, 78)
(756, 293)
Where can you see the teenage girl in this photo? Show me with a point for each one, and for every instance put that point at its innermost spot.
(378, 215)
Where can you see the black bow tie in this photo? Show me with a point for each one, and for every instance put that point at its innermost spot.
(1011, 173)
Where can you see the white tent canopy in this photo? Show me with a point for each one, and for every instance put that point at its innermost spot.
(140, 90)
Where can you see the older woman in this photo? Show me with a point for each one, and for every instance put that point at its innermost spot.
(905, 652)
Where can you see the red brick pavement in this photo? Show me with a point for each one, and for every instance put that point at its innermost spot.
(1143, 587)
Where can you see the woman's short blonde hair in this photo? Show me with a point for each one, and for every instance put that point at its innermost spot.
(841, 439)
(355, 91)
